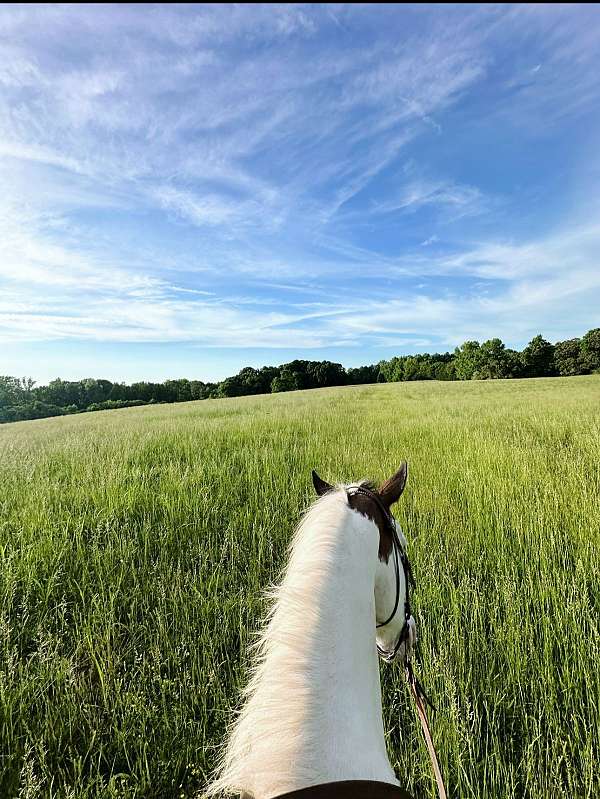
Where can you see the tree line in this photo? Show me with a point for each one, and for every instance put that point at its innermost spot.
(21, 399)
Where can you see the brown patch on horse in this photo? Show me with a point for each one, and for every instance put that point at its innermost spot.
(349, 789)
(372, 511)
(389, 492)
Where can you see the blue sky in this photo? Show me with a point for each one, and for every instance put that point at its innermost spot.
(187, 190)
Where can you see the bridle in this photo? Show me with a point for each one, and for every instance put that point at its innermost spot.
(408, 633)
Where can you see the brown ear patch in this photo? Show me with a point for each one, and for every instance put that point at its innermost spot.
(363, 504)
(392, 489)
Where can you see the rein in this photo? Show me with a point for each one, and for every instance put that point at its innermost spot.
(408, 633)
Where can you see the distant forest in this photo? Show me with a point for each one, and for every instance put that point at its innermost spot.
(21, 399)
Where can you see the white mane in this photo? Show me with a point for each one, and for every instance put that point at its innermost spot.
(285, 703)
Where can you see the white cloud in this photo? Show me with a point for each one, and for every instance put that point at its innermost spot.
(570, 252)
(460, 198)
(206, 210)
(54, 292)
(159, 95)
(263, 145)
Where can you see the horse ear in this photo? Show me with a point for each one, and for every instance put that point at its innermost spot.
(391, 490)
(321, 487)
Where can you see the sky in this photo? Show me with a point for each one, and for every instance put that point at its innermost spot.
(186, 190)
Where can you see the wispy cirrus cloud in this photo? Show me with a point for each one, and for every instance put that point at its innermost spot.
(210, 174)
(90, 298)
(415, 195)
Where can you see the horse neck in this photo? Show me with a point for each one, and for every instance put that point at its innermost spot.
(313, 712)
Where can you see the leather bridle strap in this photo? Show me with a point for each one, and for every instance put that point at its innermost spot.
(415, 686)
(408, 576)
(419, 695)
(393, 613)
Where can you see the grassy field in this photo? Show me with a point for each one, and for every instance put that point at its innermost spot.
(135, 545)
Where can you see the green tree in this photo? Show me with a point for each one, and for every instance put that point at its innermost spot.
(197, 389)
(494, 362)
(444, 370)
(326, 373)
(94, 391)
(590, 349)
(62, 393)
(467, 360)
(514, 363)
(538, 358)
(411, 368)
(12, 391)
(231, 387)
(568, 358)
(265, 377)
(391, 371)
(178, 390)
(286, 380)
(145, 391)
(299, 368)
(359, 375)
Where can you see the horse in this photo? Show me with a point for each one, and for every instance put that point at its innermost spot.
(310, 722)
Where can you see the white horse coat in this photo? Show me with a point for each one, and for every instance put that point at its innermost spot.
(311, 712)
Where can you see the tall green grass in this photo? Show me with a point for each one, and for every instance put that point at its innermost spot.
(135, 545)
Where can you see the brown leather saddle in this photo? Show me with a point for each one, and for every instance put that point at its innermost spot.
(349, 789)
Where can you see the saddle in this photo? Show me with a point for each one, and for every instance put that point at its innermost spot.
(349, 789)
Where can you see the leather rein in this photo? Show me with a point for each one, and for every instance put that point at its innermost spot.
(408, 633)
